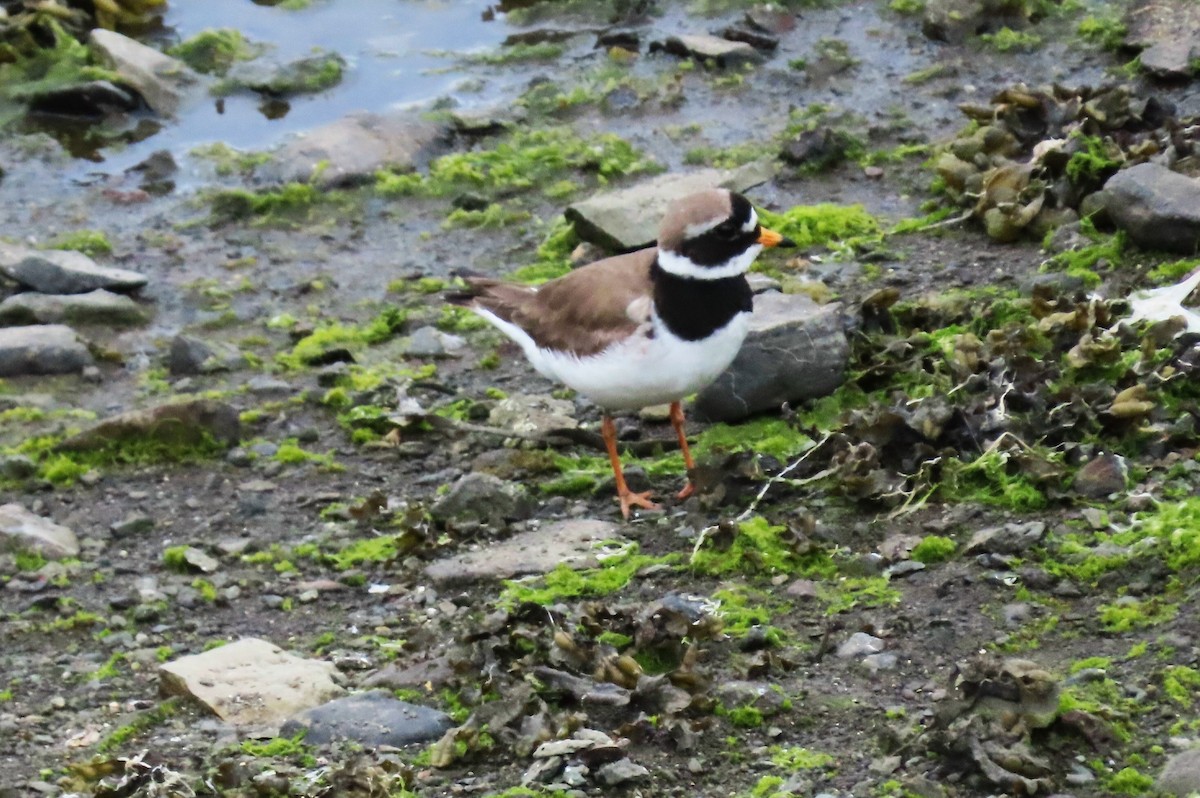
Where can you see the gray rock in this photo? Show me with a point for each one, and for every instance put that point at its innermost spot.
(251, 683)
(1013, 538)
(886, 661)
(135, 524)
(312, 73)
(191, 355)
(353, 149)
(1181, 775)
(621, 772)
(628, 218)
(482, 498)
(432, 342)
(41, 349)
(164, 82)
(1160, 209)
(63, 271)
(796, 349)
(1101, 476)
(724, 52)
(21, 530)
(374, 718)
(1169, 30)
(17, 466)
(859, 644)
(95, 307)
(185, 424)
(760, 695)
(951, 20)
(571, 543)
(529, 414)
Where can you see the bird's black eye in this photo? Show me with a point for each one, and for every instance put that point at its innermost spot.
(727, 230)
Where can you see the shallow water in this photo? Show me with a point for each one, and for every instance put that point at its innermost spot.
(396, 51)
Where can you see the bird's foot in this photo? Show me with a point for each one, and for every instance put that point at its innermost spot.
(687, 491)
(630, 499)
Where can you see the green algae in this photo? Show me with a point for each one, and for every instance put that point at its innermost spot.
(774, 437)
(1129, 613)
(214, 50)
(93, 243)
(1106, 31)
(522, 161)
(934, 549)
(743, 609)
(310, 349)
(799, 759)
(758, 547)
(824, 225)
(1181, 684)
(553, 255)
(615, 572)
(1007, 40)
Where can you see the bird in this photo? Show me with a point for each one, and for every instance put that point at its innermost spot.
(643, 328)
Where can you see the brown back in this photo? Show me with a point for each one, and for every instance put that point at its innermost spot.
(583, 312)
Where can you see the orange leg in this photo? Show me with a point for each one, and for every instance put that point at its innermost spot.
(677, 423)
(624, 495)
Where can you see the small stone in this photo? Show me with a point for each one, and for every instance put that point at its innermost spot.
(430, 342)
(95, 307)
(1159, 208)
(1101, 476)
(22, 530)
(41, 349)
(860, 644)
(531, 414)
(164, 82)
(886, 661)
(1013, 538)
(373, 718)
(723, 52)
(135, 524)
(191, 355)
(621, 772)
(63, 271)
(482, 498)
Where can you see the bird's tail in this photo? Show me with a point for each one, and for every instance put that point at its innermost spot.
(501, 298)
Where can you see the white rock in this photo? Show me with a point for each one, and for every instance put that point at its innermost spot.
(252, 684)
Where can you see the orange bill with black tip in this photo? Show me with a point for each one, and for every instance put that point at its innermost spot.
(769, 238)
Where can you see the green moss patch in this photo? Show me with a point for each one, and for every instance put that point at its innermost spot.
(758, 547)
(614, 573)
(823, 225)
(215, 50)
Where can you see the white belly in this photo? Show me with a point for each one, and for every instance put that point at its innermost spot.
(646, 370)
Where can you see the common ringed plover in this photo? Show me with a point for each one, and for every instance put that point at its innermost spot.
(647, 327)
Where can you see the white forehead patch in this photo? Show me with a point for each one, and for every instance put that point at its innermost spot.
(753, 223)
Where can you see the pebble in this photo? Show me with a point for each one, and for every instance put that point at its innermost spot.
(860, 644)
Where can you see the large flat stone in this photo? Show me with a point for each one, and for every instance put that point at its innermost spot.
(1159, 208)
(41, 349)
(353, 149)
(64, 271)
(628, 218)
(374, 718)
(95, 307)
(571, 543)
(252, 684)
(189, 423)
(795, 350)
(25, 531)
(723, 52)
(165, 83)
